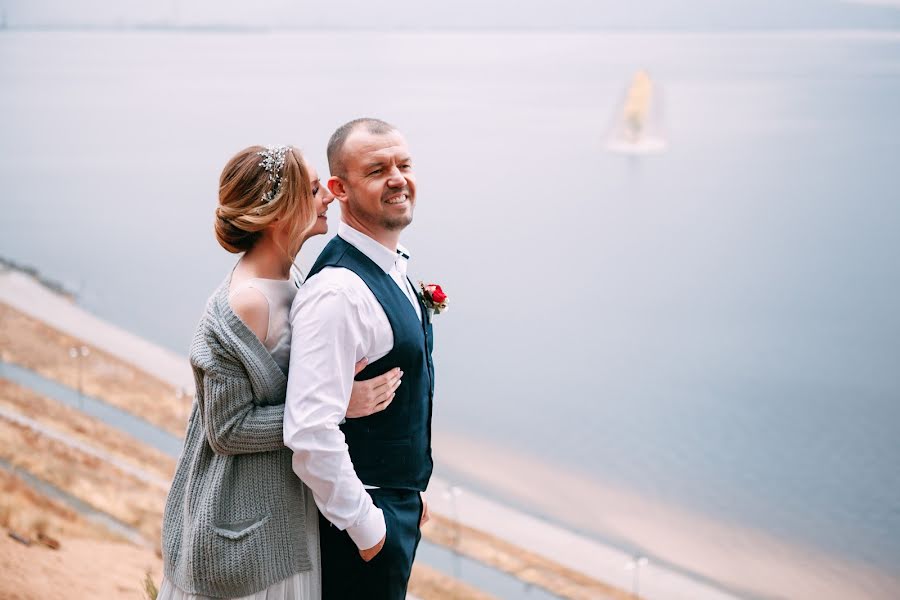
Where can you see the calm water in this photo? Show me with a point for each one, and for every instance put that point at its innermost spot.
(714, 327)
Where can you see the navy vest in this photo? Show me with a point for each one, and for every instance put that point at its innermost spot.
(391, 448)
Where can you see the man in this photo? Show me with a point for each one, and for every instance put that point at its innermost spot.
(366, 474)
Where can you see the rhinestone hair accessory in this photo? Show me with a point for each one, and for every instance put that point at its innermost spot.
(273, 163)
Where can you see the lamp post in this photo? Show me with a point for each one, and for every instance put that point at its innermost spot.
(452, 493)
(77, 353)
(637, 561)
(179, 399)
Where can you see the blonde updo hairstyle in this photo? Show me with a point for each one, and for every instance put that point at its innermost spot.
(242, 214)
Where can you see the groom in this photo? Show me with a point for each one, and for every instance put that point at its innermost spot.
(366, 474)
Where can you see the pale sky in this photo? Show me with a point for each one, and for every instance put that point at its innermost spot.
(464, 14)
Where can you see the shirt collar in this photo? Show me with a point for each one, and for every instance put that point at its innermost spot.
(380, 255)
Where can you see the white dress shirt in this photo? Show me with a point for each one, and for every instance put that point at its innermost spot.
(337, 321)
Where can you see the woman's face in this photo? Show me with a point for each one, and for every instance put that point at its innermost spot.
(321, 199)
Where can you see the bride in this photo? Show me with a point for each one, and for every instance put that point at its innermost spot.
(238, 523)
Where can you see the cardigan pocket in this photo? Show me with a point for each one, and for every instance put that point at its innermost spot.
(240, 529)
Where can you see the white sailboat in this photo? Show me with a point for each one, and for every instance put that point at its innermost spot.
(638, 126)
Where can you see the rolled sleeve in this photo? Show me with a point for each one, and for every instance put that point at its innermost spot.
(370, 531)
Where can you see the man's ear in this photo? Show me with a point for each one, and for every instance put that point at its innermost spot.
(337, 188)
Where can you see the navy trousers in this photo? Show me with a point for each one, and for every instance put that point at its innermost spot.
(346, 576)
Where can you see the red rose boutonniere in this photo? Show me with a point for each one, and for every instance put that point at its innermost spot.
(434, 297)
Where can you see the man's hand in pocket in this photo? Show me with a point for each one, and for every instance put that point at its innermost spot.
(372, 552)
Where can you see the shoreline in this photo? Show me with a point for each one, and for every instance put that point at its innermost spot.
(728, 557)
(553, 535)
(23, 292)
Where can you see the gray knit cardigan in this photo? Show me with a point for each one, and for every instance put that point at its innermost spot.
(234, 521)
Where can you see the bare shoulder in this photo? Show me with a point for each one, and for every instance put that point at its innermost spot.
(252, 307)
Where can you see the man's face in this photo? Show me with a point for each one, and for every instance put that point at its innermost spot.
(379, 182)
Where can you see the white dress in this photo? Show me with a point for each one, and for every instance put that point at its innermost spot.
(306, 585)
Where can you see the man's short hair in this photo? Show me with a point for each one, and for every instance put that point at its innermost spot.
(339, 138)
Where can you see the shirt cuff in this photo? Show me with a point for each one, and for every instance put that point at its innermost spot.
(370, 531)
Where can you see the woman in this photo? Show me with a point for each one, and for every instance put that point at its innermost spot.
(238, 523)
